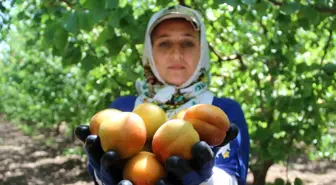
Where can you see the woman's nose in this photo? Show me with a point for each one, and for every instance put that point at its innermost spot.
(176, 53)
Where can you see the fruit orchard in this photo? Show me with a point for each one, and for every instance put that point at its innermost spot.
(64, 60)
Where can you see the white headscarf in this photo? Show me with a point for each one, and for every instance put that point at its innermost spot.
(194, 90)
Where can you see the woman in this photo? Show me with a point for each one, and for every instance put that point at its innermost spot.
(176, 64)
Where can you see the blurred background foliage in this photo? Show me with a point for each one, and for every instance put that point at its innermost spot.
(63, 60)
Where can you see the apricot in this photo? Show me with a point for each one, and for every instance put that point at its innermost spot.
(152, 115)
(124, 133)
(143, 169)
(175, 137)
(99, 117)
(210, 121)
(179, 115)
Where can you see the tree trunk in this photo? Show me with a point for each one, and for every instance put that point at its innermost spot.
(181, 2)
(260, 172)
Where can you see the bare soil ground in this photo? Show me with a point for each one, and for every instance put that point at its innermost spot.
(26, 160)
(310, 172)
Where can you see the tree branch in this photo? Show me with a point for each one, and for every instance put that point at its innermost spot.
(137, 53)
(232, 57)
(262, 102)
(325, 49)
(264, 28)
(275, 2)
(326, 9)
(319, 9)
(221, 58)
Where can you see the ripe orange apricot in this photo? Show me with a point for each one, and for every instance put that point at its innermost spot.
(143, 169)
(125, 133)
(99, 117)
(179, 115)
(175, 137)
(152, 115)
(210, 121)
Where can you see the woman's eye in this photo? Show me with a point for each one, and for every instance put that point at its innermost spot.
(164, 44)
(187, 44)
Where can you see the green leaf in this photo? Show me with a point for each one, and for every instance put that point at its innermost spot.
(323, 2)
(298, 181)
(19, 1)
(72, 55)
(137, 34)
(115, 45)
(82, 2)
(333, 25)
(304, 23)
(279, 181)
(283, 19)
(114, 19)
(98, 15)
(330, 68)
(263, 134)
(216, 3)
(233, 3)
(89, 62)
(94, 5)
(96, 10)
(261, 8)
(301, 68)
(276, 127)
(71, 24)
(308, 89)
(290, 8)
(61, 38)
(112, 4)
(250, 2)
(84, 21)
(310, 14)
(161, 2)
(116, 16)
(49, 32)
(107, 34)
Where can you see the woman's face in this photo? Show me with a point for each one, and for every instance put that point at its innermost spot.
(176, 50)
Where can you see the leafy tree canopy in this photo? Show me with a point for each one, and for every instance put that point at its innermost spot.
(62, 60)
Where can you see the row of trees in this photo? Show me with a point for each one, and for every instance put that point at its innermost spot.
(63, 60)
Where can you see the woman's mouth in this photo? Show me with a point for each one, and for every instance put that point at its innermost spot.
(176, 67)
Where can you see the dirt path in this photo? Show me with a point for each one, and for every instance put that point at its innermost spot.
(29, 161)
(312, 173)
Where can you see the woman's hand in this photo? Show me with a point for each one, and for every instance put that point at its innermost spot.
(199, 168)
(106, 168)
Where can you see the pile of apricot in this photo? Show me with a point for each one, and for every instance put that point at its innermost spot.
(146, 137)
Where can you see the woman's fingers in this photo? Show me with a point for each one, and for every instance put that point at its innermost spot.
(113, 165)
(110, 159)
(93, 148)
(82, 132)
(177, 168)
(231, 134)
(125, 182)
(201, 155)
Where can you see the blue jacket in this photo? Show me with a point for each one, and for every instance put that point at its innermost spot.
(234, 160)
